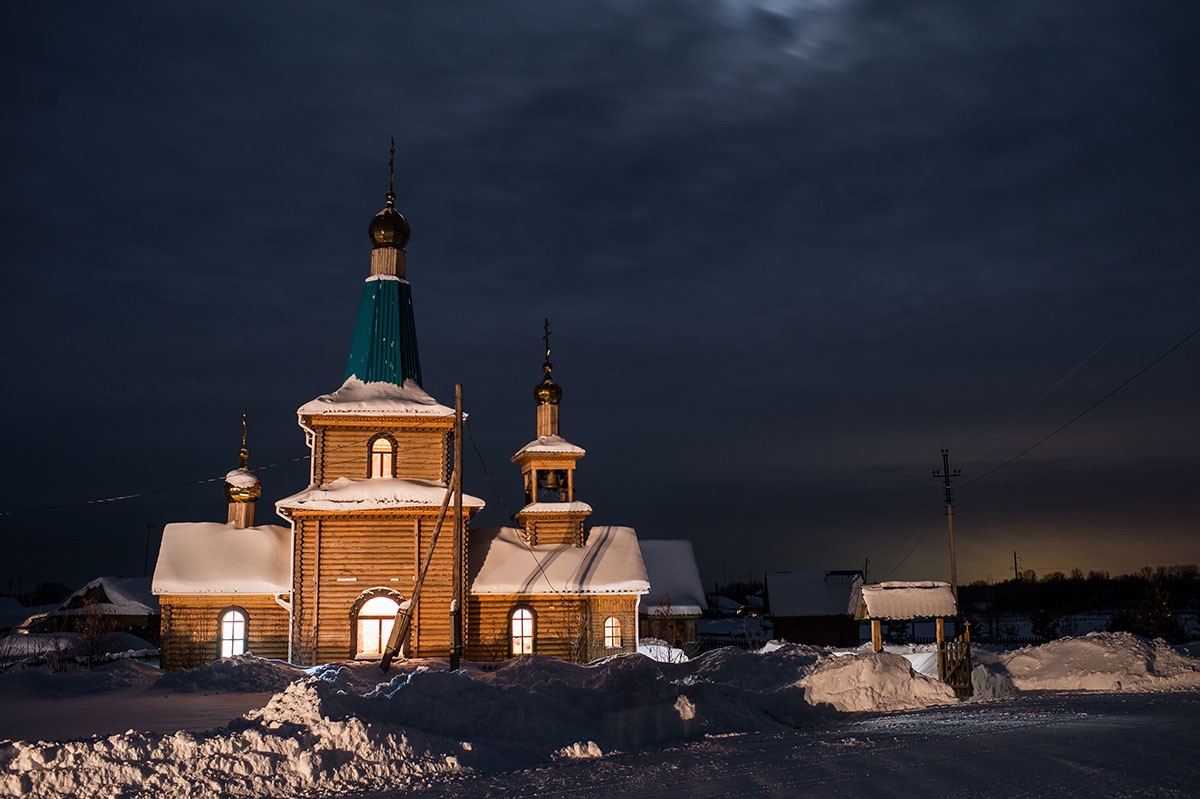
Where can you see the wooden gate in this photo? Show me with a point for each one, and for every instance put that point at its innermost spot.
(954, 662)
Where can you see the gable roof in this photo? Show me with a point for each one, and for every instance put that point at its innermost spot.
(214, 558)
(903, 600)
(610, 563)
(813, 593)
(675, 586)
(112, 596)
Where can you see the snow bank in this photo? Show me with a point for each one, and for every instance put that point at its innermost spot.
(1102, 662)
(239, 674)
(41, 682)
(874, 681)
(339, 728)
(660, 650)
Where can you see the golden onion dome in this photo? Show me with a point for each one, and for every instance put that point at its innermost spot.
(389, 228)
(241, 485)
(548, 392)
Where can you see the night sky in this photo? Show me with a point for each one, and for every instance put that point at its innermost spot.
(790, 249)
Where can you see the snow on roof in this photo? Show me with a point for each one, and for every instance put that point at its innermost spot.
(610, 563)
(365, 493)
(12, 612)
(551, 445)
(357, 397)
(813, 593)
(215, 558)
(241, 478)
(901, 600)
(112, 596)
(556, 507)
(675, 587)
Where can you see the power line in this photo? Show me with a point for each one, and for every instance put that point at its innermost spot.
(1084, 412)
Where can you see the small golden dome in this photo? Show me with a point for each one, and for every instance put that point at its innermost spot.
(241, 485)
(548, 392)
(389, 228)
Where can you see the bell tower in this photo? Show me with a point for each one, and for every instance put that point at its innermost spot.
(551, 514)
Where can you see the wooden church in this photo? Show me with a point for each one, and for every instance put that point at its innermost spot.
(368, 549)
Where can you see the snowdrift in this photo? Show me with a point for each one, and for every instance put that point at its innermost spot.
(1102, 662)
(338, 727)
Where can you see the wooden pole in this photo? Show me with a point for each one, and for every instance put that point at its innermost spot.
(404, 615)
(876, 636)
(941, 649)
(456, 602)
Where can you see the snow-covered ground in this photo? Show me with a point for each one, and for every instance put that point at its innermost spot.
(781, 716)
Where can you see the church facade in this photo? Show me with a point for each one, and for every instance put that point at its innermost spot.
(372, 538)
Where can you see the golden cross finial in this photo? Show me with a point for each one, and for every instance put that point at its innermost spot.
(546, 337)
(245, 453)
(391, 170)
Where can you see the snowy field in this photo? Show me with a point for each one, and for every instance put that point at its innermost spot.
(1105, 713)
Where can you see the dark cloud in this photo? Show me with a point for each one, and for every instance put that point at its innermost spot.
(790, 250)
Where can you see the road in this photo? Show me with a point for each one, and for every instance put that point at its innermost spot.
(1037, 745)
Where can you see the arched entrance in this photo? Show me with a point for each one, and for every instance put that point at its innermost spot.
(372, 618)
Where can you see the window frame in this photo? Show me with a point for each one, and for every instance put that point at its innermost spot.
(221, 639)
(371, 454)
(532, 636)
(616, 625)
(352, 617)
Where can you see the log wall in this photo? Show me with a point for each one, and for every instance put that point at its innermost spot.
(555, 529)
(338, 558)
(191, 628)
(570, 628)
(343, 451)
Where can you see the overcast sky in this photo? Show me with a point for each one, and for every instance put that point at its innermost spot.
(789, 249)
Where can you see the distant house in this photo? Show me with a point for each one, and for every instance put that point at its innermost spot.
(815, 607)
(125, 603)
(676, 600)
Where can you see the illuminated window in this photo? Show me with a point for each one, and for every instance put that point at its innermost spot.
(522, 631)
(375, 620)
(382, 457)
(233, 633)
(612, 632)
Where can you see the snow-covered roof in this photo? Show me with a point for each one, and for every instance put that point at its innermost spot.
(366, 493)
(112, 596)
(675, 586)
(241, 478)
(357, 397)
(813, 593)
(610, 563)
(556, 507)
(552, 445)
(901, 600)
(215, 558)
(12, 612)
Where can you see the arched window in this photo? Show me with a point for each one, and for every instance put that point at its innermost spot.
(375, 620)
(383, 457)
(521, 628)
(233, 633)
(612, 632)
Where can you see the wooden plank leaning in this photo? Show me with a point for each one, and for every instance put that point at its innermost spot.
(404, 615)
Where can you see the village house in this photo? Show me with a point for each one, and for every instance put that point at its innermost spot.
(359, 542)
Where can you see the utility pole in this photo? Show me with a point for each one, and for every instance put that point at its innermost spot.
(866, 568)
(947, 476)
(1016, 574)
(456, 646)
